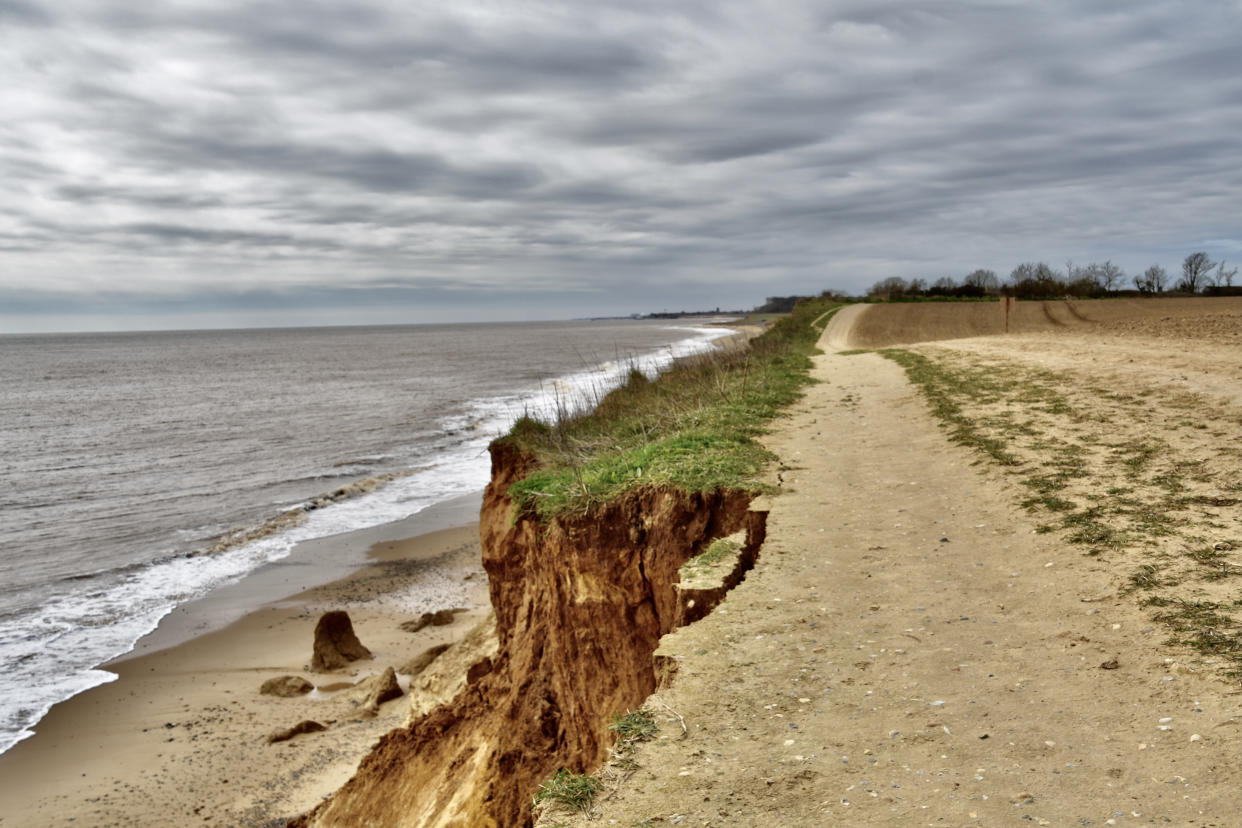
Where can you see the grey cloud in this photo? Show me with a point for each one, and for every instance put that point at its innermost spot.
(25, 13)
(639, 150)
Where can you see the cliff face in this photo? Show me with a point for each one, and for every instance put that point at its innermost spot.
(580, 605)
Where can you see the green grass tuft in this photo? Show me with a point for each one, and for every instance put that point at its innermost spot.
(634, 727)
(717, 551)
(693, 428)
(573, 790)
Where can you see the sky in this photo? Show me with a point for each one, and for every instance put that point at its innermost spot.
(210, 164)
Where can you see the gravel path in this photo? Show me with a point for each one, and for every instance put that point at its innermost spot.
(908, 652)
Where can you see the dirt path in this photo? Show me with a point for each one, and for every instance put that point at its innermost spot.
(909, 652)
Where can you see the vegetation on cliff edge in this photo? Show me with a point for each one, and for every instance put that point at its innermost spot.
(693, 427)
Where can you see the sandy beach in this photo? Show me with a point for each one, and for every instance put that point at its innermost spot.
(181, 736)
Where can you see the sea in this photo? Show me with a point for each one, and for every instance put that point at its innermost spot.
(140, 471)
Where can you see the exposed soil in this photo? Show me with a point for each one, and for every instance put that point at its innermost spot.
(914, 647)
(580, 604)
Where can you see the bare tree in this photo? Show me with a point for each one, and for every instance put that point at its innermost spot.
(984, 279)
(1107, 275)
(1036, 280)
(1195, 272)
(1151, 280)
(892, 286)
(1033, 272)
(1224, 278)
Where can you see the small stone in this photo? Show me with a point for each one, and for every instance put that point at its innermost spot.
(936, 704)
(1195, 737)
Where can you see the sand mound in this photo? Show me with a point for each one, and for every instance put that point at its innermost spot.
(882, 325)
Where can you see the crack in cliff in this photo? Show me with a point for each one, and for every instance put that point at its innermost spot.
(581, 604)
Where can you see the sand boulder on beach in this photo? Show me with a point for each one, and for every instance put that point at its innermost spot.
(439, 618)
(285, 734)
(335, 643)
(286, 687)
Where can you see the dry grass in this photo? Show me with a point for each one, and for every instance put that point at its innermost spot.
(1161, 502)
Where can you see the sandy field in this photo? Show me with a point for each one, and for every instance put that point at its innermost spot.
(180, 737)
(934, 636)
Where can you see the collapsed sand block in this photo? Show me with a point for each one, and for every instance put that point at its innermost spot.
(335, 643)
(371, 692)
(445, 673)
(422, 661)
(439, 618)
(385, 688)
(306, 726)
(286, 687)
(382, 686)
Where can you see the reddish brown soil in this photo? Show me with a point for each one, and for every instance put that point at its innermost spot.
(580, 607)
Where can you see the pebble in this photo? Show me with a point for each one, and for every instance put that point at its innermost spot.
(936, 704)
(1195, 737)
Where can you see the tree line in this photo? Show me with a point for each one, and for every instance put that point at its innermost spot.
(1038, 280)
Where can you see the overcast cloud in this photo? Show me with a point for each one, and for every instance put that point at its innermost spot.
(305, 161)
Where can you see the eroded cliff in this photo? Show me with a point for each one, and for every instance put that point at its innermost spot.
(580, 603)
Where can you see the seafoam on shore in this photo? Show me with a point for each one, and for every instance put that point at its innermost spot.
(86, 616)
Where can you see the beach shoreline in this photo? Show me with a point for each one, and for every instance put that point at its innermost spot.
(180, 735)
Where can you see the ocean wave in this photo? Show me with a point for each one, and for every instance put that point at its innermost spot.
(54, 653)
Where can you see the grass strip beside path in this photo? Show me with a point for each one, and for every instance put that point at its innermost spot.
(694, 427)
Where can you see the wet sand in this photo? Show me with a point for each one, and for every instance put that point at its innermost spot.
(180, 736)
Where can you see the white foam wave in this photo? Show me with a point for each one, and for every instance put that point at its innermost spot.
(54, 654)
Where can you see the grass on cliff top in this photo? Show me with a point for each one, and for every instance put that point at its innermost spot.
(573, 790)
(693, 427)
